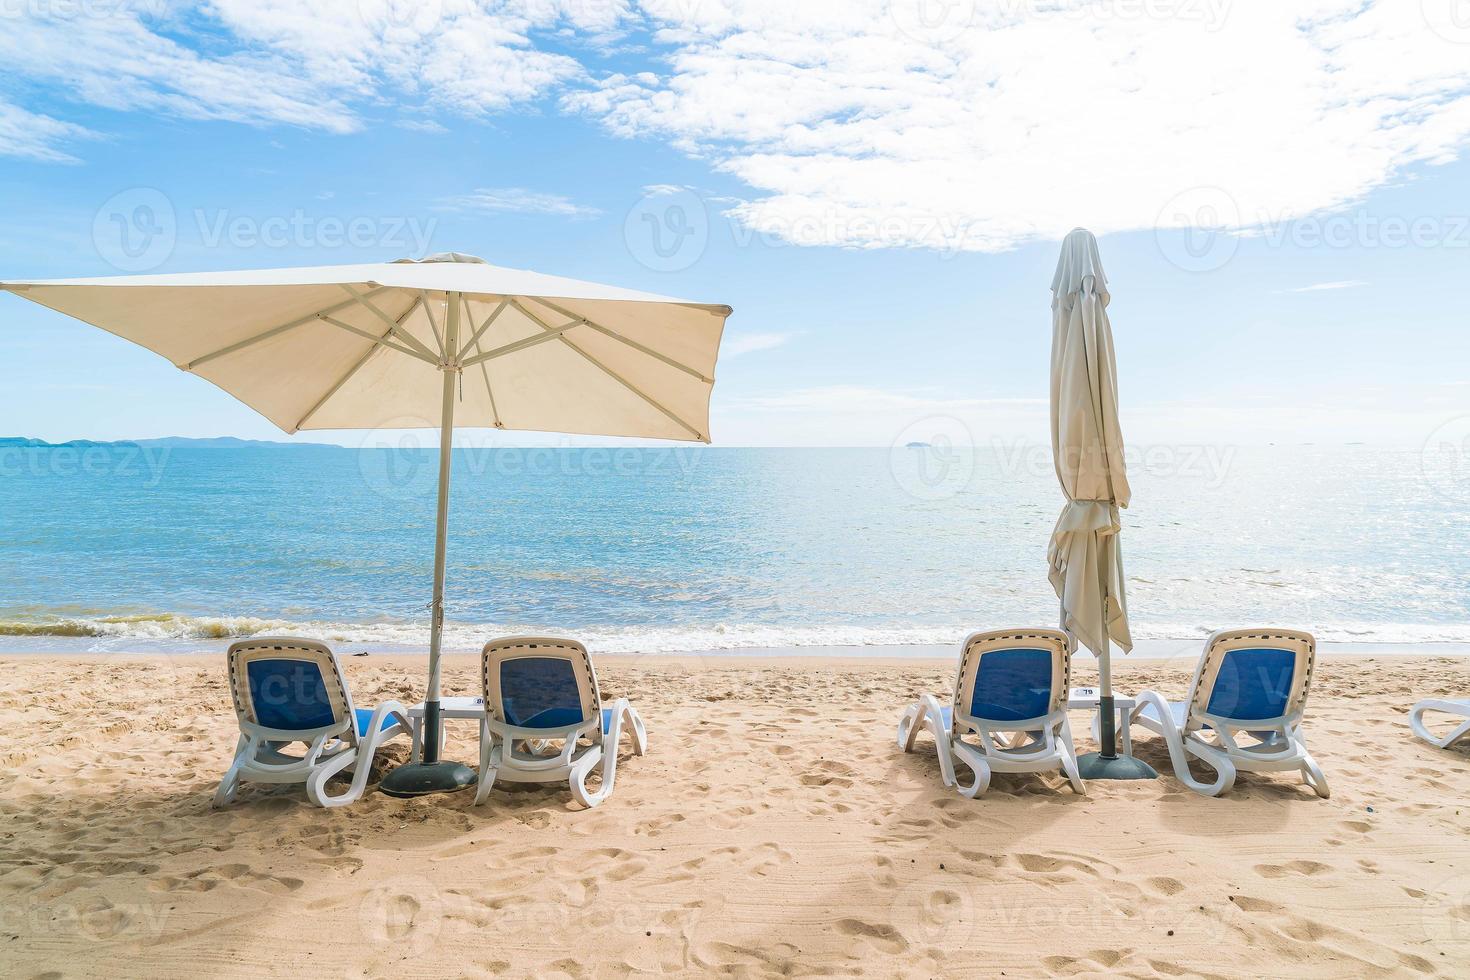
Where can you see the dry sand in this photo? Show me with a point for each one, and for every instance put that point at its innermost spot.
(774, 828)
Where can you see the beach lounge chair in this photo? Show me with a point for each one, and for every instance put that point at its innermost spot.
(540, 691)
(292, 690)
(1251, 683)
(1459, 709)
(1011, 694)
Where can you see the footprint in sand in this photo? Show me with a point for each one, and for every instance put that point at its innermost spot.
(884, 937)
(1306, 868)
(1165, 885)
(828, 772)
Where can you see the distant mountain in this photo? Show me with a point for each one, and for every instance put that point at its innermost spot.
(169, 442)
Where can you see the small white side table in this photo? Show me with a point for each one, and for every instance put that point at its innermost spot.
(464, 709)
(1088, 698)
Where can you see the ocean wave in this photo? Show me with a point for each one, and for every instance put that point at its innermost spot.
(181, 632)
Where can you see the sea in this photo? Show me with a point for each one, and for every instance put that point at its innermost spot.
(698, 549)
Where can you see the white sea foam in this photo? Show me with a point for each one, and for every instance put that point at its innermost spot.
(176, 632)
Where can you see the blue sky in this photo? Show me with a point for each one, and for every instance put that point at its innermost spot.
(878, 190)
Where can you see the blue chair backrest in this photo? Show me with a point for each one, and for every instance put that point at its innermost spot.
(1012, 685)
(540, 692)
(1253, 684)
(290, 695)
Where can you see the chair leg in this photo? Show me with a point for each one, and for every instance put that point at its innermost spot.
(584, 767)
(1312, 776)
(1069, 758)
(225, 795)
(487, 774)
(1416, 722)
(982, 775)
(908, 726)
(316, 783)
(635, 725)
(1179, 753)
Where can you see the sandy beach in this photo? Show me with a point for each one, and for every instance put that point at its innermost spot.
(773, 829)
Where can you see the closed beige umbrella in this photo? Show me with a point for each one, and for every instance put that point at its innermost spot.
(444, 341)
(1087, 446)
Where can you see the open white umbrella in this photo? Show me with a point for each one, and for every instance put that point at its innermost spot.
(1087, 446)
(432, 343)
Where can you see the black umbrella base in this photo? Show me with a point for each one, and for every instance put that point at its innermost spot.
(427, 778)
(1094, 765)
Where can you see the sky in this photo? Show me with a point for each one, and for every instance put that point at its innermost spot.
(877, 187)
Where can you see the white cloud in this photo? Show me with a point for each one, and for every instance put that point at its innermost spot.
(518, 199)
(305, 64)
(854, 122)
(422, 126)
(31, 136)
(1318, 287)
(748, 343)
(1008, 121)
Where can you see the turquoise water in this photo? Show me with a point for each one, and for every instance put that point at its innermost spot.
(703, 548)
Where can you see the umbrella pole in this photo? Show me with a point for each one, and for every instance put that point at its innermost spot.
(1108, 717)
(431, 775)
(1107, 763)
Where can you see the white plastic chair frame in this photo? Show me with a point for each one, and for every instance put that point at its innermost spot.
(330, 749)
(1278, 743)
(1035, 744)
(1459, 709)
(528, 755)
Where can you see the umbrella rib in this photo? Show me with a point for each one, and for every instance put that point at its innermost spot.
(494, 315)
(428, 359)
(612, 374)
(274, 331)
(552, 333)
(367, 355)
(484, 371)
(434, 326)
(393, 327)
(630, 342)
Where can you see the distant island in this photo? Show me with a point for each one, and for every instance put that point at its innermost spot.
(168, 442)
(918, 445)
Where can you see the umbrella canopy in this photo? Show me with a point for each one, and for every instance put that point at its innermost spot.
(363, 346)
(1087, 446)
(431, 343)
